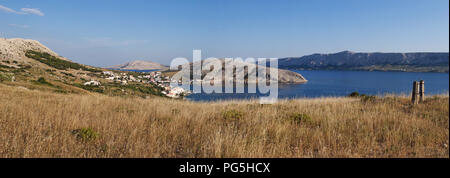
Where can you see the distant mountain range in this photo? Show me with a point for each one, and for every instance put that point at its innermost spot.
(347, 60)
(139, 65)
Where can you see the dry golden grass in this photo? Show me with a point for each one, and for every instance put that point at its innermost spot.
(41, 124)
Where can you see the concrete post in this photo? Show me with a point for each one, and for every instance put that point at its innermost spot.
(415, 93)
(421, 91)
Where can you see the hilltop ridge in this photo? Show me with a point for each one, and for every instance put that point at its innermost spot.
(16, 48)
(139, 65)
(348, 60)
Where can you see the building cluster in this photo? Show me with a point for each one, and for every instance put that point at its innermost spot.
(155, 78)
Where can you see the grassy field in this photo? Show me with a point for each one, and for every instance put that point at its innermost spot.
(45, 124)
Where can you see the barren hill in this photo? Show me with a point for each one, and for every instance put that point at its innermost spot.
(16, 48)
(284, 76)
(139, 65)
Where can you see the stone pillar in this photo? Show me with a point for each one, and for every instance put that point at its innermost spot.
(421, 91)
(415, 93)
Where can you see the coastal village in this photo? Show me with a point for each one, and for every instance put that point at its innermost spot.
(155, 78)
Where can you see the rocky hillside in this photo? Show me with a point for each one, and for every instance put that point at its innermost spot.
(139, 65)
(346, 60)
(284, 76)
(29, 64)
(16, 48)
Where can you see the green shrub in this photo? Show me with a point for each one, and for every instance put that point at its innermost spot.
(299, 118)
(42, 81)
(5, 77)
(68, 74)
(24, 66)
(363, 97)
(151, 90)
(354, 94)
(85, 134)
(232, 115)
(50, 70)
(369, 98)
(175, 111)
(17, 71)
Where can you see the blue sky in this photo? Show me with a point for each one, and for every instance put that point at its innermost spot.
(107, 32)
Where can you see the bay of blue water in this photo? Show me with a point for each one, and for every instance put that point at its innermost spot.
(342, 83)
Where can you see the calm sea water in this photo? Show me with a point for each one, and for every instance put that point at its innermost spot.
(342, 83)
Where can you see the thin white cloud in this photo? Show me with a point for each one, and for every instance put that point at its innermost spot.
(32, 11)
(6, 9)
(19, 26)
(22, 11)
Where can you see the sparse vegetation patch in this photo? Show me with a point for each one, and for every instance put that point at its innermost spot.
(232, 115)
(42, 81)
(299, 118)
(57, 63)
(85, 134)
